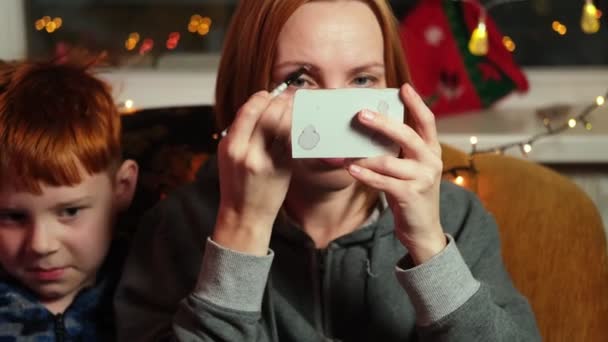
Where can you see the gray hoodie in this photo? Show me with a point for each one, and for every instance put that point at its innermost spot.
(178, 283)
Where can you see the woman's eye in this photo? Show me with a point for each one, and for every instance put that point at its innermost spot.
(363, 81)
(300, 82)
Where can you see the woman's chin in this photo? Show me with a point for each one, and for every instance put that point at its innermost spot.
(322, 174)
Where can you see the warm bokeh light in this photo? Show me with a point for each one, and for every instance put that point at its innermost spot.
(588, 125)
(527, 148)
(58, 22)
(132, 41)
(203, 29)
(39, 25)
(206, 21)
(199, 24)
(508, 43)
(129, 104)
(134, 36)
(146, 46)
(173, 40)
(473, 140)
(572, 123)
(459, 180)
(50, 27)
(590, 22)
(478, 44)
(48, 24)
(560, 28)
(600, 100)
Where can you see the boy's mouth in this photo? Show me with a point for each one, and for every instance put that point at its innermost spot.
(47, 274)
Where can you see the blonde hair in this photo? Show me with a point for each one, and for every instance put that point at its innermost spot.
(250, 51)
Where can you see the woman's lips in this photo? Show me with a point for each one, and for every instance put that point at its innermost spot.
(333, 162)
(47, 274)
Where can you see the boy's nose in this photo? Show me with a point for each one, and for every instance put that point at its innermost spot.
(42, 239)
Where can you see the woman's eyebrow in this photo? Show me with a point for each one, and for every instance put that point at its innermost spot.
(315, 69)
(373, 65)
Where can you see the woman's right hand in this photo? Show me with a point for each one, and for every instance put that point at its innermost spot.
(254, 171)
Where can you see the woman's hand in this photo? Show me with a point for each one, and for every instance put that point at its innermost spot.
(254, 170)
(410, 180)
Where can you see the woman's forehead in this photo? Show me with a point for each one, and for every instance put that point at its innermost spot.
(322, 32)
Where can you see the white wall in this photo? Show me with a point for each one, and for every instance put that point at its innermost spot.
(12, 33)
(157, 88)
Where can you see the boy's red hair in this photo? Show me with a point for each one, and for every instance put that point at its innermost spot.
(54, 120)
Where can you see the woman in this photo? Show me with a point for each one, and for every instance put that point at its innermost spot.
(275, 249)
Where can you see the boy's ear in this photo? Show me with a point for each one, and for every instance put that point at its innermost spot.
(125, 182)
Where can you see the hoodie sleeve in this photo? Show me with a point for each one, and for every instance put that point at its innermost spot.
(465, 293)
(160, 297)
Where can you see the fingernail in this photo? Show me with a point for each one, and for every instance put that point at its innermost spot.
(368, 115)
(354, 168)
(409, 89)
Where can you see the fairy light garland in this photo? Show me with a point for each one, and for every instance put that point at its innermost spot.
(590, 20)
(525, 146)
(479, 44)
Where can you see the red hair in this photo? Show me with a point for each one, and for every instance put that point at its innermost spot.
(55, 120)
(250, 49)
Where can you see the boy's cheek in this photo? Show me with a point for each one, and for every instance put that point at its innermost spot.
(11, 242)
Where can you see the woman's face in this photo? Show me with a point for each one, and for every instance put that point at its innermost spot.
(342, 42)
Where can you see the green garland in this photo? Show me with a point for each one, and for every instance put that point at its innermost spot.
(488, 90)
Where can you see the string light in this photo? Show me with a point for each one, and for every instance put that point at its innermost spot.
(173, 40)
(146, 46)
(39, 24)
(558, 27)
(479, 44)
(132, 41)
(588, 126)
(590, 22)
(526, 145)
(459, 180)
(199, 24)
(473, 141)
(508, 43)
(48, 24)
(127, 107)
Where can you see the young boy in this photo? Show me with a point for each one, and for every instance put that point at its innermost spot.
(62, 183)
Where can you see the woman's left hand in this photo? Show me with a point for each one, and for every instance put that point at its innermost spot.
(411, 180)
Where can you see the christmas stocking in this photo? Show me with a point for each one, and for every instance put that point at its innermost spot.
(435, 36)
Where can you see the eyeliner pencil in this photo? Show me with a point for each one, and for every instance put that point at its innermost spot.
(281, 87)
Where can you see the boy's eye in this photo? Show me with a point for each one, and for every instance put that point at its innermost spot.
(12, 217)
(70, 212)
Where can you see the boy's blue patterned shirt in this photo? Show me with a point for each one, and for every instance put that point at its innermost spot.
(24, 318)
